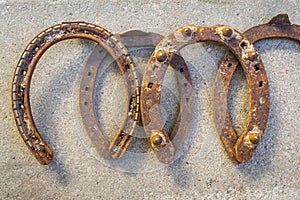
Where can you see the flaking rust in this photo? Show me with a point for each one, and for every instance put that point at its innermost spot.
(242, 148)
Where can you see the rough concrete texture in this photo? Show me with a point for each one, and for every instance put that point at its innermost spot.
(204, 170)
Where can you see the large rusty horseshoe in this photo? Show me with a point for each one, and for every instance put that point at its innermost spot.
(28, 61)
(164, 54)
(278, 27)
(120, 142)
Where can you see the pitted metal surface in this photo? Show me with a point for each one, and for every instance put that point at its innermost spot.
(278, 27)
(168, 49)
(28, 61)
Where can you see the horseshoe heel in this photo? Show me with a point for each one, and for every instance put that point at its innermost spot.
(278, 27)
(130, 39)
(167, 50)
(28, 61)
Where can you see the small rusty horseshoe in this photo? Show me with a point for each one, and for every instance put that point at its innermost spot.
(164, 54)
(120, 142)
(28, 61)
(278, 27)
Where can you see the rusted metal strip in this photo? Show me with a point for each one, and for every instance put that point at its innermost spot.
(120, 143)
(28, 61)
(278, 27)
(164, 54)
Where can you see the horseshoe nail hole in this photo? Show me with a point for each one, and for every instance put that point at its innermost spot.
(154, 67)
(256, 67)
(187, 99)
(229, 65)
(86, 103)
(244, 45)
(181, 70)
(260, 84)
(185, 84)
(150, 85)
(89, 73)
(86, 88)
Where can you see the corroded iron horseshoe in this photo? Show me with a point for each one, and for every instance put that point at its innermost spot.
(130, 39)
(279, 27)
(164, 54)
(28, 61)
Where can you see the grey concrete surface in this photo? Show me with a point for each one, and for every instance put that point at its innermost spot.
(204, 170)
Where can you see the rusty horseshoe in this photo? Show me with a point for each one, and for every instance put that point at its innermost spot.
(28, 61)
(165, 53)
(121, 141)
(278, 27)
